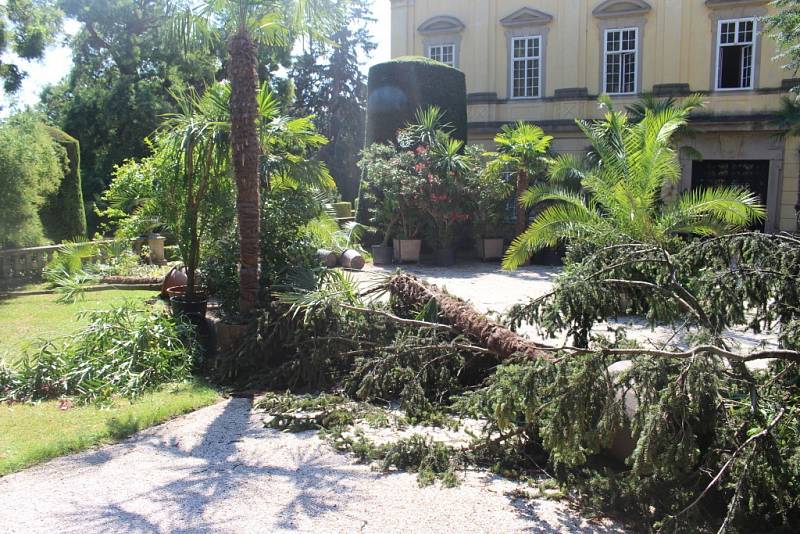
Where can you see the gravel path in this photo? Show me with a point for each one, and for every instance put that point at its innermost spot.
(220, 470)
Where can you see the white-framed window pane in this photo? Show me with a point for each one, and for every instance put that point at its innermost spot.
(525, 67)
(735, 54)
(620, 61)
(443, 53)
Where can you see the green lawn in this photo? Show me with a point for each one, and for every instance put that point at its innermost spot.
(33, 433)
(26, 320)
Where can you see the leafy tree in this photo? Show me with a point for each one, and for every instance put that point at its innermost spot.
(621, 191)
(128, 56)
(27, 27)
(784, 26)
(330, 84)
(32, 166)
(522, 151)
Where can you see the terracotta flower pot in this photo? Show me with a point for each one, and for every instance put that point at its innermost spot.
(444, 257)
(382, 254)
(192, 307)
(175, 277)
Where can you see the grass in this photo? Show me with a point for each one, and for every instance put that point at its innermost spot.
(33, 433)
(27, 320)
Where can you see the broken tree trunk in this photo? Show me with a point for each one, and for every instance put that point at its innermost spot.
(502, 342)
(351, 259)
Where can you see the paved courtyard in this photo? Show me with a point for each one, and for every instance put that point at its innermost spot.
(492, 290)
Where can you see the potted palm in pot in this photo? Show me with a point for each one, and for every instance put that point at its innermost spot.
(196, 186)
(394, 189)
(488, 194)
(447, 168)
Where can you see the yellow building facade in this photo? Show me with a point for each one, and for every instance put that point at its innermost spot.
(547, 61)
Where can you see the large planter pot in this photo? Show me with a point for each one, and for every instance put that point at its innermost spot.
(382, 254)
(407, 250)
(444, 257)
(343, 210)
(191, 307)
(490, 249)
(156, 244)
(175, 277)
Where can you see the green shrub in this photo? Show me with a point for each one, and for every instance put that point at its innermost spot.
(286, 245)
(124, 351)
(63, 215)
(32, 166)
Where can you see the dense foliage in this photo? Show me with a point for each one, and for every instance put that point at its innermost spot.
(420, 185)
(27, 28)
(624, 190)
(398, 90)
(330, 84)
(124, 351)
(32, 167)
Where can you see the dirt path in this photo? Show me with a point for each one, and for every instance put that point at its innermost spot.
(220, 470)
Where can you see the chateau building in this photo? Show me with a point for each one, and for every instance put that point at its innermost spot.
(547, 61)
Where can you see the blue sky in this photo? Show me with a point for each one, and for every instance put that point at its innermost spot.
(57, 62)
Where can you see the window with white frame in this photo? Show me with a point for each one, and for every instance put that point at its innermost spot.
(620, 64)
(735, 53)
(445, 53)
(526, 67)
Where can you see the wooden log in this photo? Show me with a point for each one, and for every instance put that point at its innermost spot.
(499, 340)
(327, 257)
(351, 259)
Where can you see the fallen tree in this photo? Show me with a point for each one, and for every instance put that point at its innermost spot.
(410, 292)
(714, 443)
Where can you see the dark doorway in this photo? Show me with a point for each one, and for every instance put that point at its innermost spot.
(752, 174)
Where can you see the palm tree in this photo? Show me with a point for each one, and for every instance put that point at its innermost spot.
(273, 23)
(522, 151)
(620, 191)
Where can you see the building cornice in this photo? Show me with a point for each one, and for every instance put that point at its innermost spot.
(721, 4)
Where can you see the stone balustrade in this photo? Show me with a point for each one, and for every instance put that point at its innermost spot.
(18, 264)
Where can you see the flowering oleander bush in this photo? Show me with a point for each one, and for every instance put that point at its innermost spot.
(418, 185)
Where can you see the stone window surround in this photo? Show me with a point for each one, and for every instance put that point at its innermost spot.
(530, 28)
(448, 31)
(622, 23)
(722, 10)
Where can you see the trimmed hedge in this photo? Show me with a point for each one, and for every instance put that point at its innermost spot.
(398, 88)
(63, 215)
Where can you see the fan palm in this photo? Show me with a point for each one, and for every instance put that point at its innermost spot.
(521, 152)
(248, 22)
(620, 197)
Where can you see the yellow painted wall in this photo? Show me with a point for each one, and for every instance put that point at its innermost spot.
(678, 46)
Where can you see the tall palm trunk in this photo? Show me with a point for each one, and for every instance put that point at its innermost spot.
(246, 152)
(522, 213)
